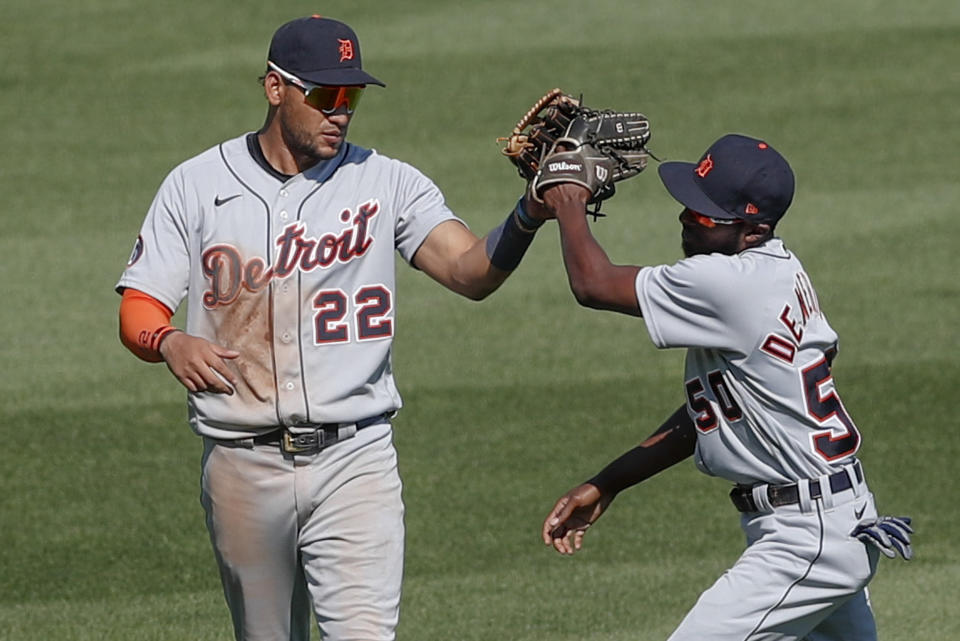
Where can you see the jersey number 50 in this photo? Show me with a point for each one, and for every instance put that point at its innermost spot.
(706, 418)
(823, 405)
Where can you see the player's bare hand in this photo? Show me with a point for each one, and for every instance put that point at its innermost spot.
(198, 364)
(572, 515)
(566, 196)
(536, 210)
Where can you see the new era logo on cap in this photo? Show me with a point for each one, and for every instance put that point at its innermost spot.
(737, 177)
(320, 50)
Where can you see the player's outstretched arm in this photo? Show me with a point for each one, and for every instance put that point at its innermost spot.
(475, 267)
(578, 509)
(594, 280)
(453, 256)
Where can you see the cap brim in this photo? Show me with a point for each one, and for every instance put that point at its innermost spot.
(677, 177)
(339, 77)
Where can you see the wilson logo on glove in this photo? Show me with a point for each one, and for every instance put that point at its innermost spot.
(565, 166)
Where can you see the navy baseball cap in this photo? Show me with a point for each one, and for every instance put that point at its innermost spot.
(737, 177)
(320, 50)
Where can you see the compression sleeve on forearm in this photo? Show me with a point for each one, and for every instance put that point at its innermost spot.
(144, 323)
(508, 242)
(673, 441)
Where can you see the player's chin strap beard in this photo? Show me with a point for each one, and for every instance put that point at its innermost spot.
(305, 153)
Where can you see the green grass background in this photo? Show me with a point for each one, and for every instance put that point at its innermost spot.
(511, 401)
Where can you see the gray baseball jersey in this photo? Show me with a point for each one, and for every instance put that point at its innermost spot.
(297, 274)
(757, 379)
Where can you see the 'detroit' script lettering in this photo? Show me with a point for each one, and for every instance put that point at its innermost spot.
(228, 273)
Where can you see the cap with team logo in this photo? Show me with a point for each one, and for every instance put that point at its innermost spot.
(320, 50)
(737, 177)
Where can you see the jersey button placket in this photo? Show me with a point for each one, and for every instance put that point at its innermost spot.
(291, 403)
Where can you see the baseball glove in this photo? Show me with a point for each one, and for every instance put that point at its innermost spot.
(560, 140)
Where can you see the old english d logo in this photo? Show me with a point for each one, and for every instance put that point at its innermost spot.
(706, 165)
(346, 49)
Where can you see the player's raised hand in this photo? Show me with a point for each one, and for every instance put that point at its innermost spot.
(199, 364)
(572, 515)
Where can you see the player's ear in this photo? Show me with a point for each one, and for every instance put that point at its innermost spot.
(756, 234)
(273, 87)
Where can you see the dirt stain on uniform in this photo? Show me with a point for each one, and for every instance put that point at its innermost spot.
(246, 326)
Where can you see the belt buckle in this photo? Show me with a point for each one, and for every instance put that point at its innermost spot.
(299, 443)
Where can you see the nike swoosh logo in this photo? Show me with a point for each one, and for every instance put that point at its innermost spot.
(859, 513)
(217, 201)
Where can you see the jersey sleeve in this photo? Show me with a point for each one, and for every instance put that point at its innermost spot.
(421, 208)
(696, 302)
(159, 264)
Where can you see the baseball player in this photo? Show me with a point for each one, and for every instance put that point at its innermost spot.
(762, 409)
(281, 242)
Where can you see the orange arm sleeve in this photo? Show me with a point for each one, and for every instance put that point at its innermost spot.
(144, 323)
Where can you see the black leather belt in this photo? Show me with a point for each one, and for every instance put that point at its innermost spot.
(321, 436)
(780, 495)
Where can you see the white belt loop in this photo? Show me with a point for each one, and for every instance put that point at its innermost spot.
(858, 485)
(761, 498)
(826, 492)
(803, 492)
(346, 431)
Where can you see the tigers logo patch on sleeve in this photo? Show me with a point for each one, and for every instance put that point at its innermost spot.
(137, 251)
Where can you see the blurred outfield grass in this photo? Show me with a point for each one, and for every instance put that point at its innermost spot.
(508, 402)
